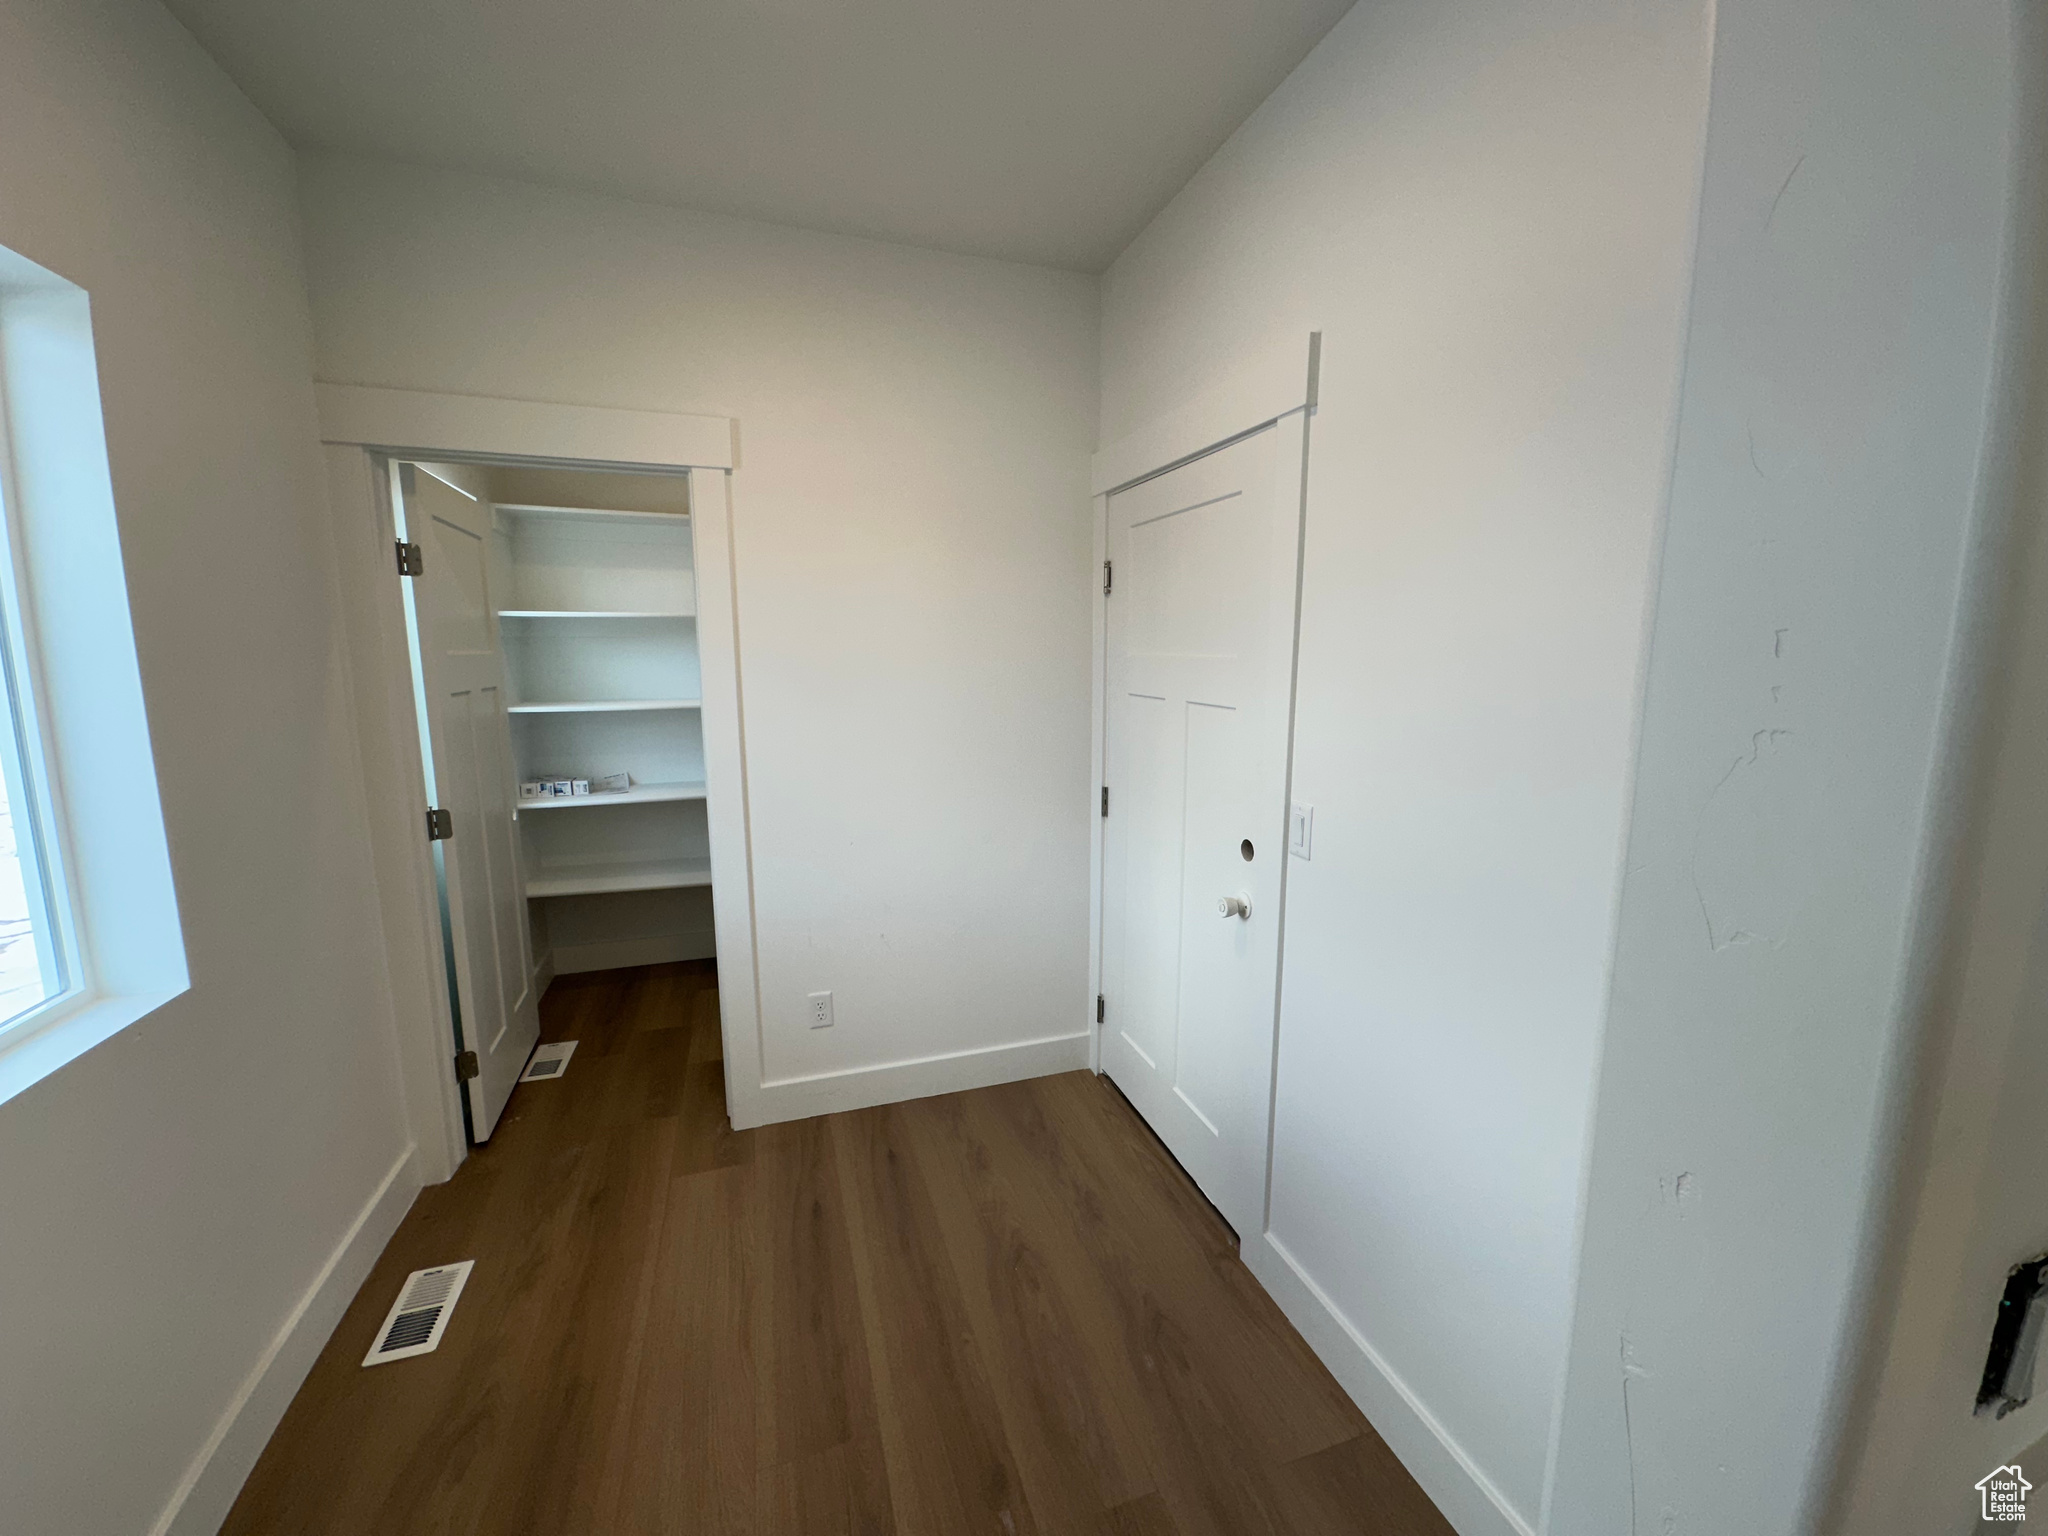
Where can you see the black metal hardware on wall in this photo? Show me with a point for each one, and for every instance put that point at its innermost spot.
(2015, 1339)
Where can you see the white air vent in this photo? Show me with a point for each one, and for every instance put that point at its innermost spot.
(550, 1060)
(420, 1315)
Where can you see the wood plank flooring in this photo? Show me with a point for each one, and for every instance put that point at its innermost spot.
(1005, 1311)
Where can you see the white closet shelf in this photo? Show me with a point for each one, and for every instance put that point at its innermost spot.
(626, 875)
(591, 613)
(639, 794)
(592, 514)
(600, 706)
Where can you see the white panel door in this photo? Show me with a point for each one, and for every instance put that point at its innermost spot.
(1201, 677)
(483, 887)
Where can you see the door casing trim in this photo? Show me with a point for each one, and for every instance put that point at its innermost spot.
(362, 429)
(1247, 396)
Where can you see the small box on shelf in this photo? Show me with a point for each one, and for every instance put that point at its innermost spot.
(552, 789)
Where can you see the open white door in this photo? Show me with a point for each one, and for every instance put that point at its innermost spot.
(1201, 678)
(483, 891)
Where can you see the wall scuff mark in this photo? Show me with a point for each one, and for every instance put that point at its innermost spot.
(1632, 1370)
(1741, 847)
(1783, 187)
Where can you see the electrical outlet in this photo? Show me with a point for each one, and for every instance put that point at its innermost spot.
(821, 1010)
(1301, 828)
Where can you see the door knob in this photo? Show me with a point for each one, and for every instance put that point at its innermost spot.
(1239, 905)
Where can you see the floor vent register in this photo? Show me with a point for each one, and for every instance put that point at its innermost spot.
(550, 1060)
(420, 1315)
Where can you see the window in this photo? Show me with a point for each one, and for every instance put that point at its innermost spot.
(36, 968)
(89, 933)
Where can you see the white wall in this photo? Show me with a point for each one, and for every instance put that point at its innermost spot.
(1972, 1194)
(1487, 209)
(912, 548)
(1796, 790)
(169, 1197)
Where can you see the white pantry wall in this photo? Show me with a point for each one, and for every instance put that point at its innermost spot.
(171, 1197)
(912, 545)
(1487, 209)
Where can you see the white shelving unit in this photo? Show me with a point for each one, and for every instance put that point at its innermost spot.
(600, 644)
(639, 794)
(624, 875)
(523, 512)
(602, 706)
(586, 613)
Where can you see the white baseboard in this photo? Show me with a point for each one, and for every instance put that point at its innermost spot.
(614, 954)
(1448, 1474)
(207, 1492)
(794, 1098)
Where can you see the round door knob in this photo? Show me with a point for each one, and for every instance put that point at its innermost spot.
(1239, 905)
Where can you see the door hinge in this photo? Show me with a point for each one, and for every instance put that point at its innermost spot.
(466, 1067)
(1107, 576)
(440, 826)
(410, 561)
(1105, 799)
(1100, 1008)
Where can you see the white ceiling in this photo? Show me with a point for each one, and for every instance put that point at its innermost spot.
(1039, 130)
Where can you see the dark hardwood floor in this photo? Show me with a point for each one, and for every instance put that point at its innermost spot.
(1005, 1311)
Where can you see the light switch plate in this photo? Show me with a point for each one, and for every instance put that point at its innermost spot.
(821, 1010)
(1301, 828)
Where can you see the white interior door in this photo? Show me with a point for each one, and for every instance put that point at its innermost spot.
(483, 888)
(1201, 675)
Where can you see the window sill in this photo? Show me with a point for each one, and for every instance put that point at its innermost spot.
(46, 1045)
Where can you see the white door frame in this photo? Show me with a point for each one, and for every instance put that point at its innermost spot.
(364, 428)
(1245, 397)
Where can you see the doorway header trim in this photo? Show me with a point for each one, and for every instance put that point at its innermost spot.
(1254, 391)
(402, 421)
